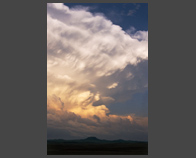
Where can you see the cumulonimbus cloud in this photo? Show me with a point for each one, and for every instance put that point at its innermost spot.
(83, 50)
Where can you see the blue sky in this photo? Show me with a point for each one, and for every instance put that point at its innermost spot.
(123, 14)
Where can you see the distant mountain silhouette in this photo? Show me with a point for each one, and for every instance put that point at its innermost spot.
(95, 146)
(92, 138)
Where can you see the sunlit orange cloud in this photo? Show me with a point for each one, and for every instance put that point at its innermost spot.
(91, 120)
(87, 111)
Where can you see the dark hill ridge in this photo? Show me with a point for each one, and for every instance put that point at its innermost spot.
(93, 139)
(95, 146)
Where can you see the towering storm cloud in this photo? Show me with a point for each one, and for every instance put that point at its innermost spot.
(93, 65)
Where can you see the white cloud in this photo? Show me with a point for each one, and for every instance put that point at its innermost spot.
(141, 35)
(84, 47)
(79, 38)
(84, 54)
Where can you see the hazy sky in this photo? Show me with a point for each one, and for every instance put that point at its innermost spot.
(97, 71)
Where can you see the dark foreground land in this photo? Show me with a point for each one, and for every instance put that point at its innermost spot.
(94, 146)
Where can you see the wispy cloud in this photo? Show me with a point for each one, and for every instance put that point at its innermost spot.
(139, 35)
(131, 12)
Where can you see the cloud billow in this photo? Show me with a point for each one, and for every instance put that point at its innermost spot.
(92, 63)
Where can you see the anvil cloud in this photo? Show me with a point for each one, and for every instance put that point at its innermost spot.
(91, 64)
